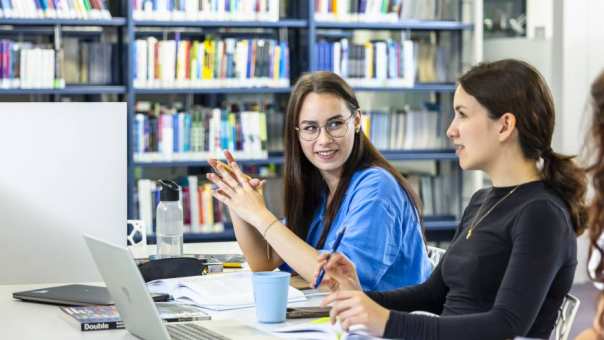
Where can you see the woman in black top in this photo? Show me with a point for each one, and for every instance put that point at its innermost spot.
(513, 257)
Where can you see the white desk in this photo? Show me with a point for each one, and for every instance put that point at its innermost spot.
(24, 320)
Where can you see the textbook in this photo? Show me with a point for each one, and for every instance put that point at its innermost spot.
(96, 318)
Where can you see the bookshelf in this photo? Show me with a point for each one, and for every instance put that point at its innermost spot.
(303, 31)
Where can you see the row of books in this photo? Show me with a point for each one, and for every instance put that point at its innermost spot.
(436, 193)
(28, 66)
(213, 62)
(385, 63)
(89, 62)
(199, 134)
(377, 63)
(32, 66)
(406, 129)
(262, 10)
(383, 10)
(64, 9)
(202, 213)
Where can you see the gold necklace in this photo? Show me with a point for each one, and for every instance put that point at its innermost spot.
(475, 223)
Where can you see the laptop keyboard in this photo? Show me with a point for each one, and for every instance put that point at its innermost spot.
(191, 331)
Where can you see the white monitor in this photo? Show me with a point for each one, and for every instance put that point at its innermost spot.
(63, 173)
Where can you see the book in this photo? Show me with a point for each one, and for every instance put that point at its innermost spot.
(96, 318)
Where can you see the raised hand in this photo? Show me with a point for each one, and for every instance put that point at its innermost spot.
(352, 307)
(340, 272)
(235, 191)
(220, 168)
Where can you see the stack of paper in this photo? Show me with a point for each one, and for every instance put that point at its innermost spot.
(215, 291)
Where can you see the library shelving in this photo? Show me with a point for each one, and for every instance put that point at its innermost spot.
(67, 90)
(277, 158)
(440, 227)
(116, 21)
(285, 23)
(303, 32)
(213, 90)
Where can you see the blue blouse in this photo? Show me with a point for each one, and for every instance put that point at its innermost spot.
(383, 238)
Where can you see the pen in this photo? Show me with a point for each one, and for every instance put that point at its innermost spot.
(334, 248)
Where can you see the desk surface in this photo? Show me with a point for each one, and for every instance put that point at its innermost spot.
(24, 320)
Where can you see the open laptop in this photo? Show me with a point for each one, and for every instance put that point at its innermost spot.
(136, 307)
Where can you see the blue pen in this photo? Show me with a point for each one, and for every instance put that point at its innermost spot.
(334, 248)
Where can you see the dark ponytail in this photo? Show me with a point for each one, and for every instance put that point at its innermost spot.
(516, 87)
(563, 175)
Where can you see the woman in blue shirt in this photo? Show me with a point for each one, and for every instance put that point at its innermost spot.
(333, 177)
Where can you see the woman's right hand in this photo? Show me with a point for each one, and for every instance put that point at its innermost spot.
(221, 168)
(340, 272)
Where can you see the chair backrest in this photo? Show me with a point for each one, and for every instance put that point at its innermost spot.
(566, 317)
(435, 254)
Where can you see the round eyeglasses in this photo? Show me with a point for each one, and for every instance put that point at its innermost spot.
(335, 128)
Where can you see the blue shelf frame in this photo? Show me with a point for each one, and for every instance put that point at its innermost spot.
(421, 87)
(434, 223)
(431, 223)
(285, 23)
(214, 90)
(277, 158)
(227, 235)
(415, 25)
(117, 21)
(75, 89)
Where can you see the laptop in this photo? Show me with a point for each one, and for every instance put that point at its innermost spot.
(136, 307)
(69, 295)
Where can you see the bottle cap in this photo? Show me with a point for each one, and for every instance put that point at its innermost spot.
(168, 190)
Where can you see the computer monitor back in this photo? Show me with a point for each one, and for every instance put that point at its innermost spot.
(63, 173)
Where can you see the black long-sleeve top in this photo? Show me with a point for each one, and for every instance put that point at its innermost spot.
(507, 280)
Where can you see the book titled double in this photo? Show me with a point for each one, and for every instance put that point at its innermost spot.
(96, 318)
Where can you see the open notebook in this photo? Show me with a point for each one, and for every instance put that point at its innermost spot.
(215, 291)
(320, 329)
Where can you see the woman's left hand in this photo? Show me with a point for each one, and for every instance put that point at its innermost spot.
(235, 191)
(352, 307)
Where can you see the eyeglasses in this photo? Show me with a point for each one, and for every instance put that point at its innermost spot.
(335, 128)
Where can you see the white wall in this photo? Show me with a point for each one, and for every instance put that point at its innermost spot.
(578, 56)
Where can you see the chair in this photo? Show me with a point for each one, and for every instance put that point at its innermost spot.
(435, 254)
(566, 317)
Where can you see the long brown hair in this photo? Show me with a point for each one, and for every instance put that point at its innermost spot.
(596, 170)
(303, 181)
(514, 86)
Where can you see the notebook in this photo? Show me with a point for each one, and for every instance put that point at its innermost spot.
(321, 328)
(216, 291)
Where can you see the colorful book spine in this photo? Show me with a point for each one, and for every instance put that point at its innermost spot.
(207, 10)
(199, 134)
(64, 9)
(375, 63)
(213, 62)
